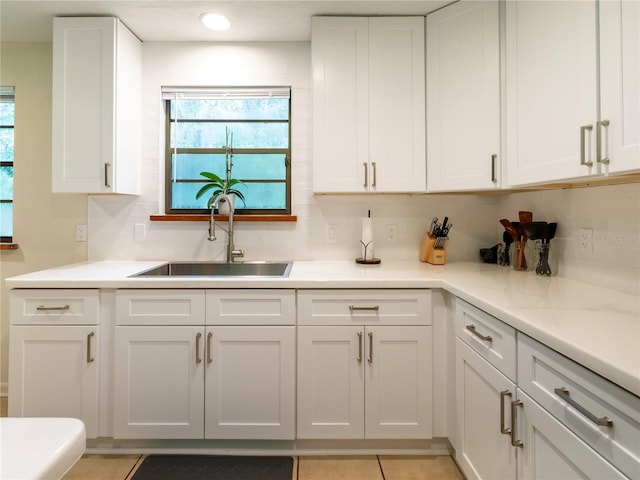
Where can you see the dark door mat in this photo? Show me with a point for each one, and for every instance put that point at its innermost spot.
(214, 467)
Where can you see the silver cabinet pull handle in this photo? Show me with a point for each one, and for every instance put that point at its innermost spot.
(106, 175)
(514, 442)
(494, 178)
(366, 175)
(90, 359)
(503, 429)
(198, 358)
(359, 347)
(42, 308)
(374, 308)
(472, 329)
(603, 158)
(583, 130)
(373, 164)
(370, 357)
(209, 337)
(563, 393)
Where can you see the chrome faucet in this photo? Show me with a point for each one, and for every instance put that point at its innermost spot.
(232, 253)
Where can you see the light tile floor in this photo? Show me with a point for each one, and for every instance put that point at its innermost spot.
(371, 467)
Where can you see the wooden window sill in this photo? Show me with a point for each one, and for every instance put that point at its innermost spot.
(9, 246)
(237, 218)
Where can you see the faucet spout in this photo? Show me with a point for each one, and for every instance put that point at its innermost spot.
(231, 253)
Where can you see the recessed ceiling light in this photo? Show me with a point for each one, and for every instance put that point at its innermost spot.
(215, 21)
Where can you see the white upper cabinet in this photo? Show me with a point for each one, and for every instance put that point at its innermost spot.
(569, 116)
(368, 104)
(551, 84)
(620, 85)
(463, 97)
(96, 106)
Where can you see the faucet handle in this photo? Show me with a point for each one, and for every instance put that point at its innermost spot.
(237, 254)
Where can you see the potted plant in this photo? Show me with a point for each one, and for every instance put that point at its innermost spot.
(218, 185)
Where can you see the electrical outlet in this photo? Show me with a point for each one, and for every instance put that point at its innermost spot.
(392, 230)
(585, 241)
(81, 233)
(332, 233)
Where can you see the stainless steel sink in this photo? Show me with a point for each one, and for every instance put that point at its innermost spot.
(217, 269)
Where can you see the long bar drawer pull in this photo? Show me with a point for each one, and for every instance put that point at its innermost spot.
(374, 308)
(516, 443)
(583, 130)
(472, 329)
(563, 393)
(370, 357)
(198, 357)
(503, 429)
(359, 347)
(209, 336)
(42, 308)
(90, 359)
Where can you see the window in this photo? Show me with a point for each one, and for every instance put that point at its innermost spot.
(197, 122)
(7, 123)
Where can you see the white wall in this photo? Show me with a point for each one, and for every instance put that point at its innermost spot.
(44, 223)
(112, 219)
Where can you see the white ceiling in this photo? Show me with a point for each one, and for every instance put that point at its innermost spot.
(179, 20)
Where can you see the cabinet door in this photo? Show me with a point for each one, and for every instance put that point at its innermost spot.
(463, 97)
(551, 82)
(250, 383)
(339, 52)
(96, 85)
(551, 451)
(398, 394)
(397, 104)
(159, 382)
(483, 452)
(53, 372)
(330, 382)
(620, 84)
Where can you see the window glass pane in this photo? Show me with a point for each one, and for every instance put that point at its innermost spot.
(259, 166)
(232, 109)
(6, 219)
(6, 183)
(189, 165)
(7, 112)
(183, 195)
(266, 195)
(245, 135)
(6, 144)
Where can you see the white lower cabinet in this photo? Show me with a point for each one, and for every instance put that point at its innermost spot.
(250, 382)
(549, 450)
(485, 386)
(484, 395)
(197, 381)
(359, 379)
(53, 372)
(159, 382)
(54, 354)
(558, 421)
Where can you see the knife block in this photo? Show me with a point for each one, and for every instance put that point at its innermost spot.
(430, 253)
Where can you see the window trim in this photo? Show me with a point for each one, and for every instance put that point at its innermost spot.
(171, 93)
(9, 93)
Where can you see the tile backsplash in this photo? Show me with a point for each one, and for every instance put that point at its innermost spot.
(611, 211)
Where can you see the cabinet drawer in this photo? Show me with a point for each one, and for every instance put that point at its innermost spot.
(494, 340)
(160, 307)
(54, 307)
(251, 307)
(542, 372)
(360, 307)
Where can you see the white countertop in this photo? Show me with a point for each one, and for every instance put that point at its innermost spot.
(595, 326)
